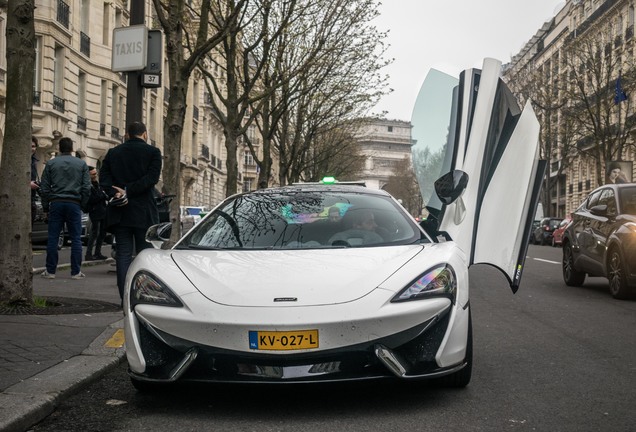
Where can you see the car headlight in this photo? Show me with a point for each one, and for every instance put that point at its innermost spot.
(148, 289)
(438, 281)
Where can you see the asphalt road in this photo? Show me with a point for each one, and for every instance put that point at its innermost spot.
(549, 358)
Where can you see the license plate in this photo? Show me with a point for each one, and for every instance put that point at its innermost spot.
(283, 340)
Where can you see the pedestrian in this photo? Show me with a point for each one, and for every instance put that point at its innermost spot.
(97, 216)
(128, 175)
(35, 180)
(65, 188)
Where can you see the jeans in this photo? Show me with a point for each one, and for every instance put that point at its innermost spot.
(126, 239)
(96, 237)
(60, 213)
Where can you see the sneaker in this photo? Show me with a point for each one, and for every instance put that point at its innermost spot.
(89, 258)
(80, 275)
(47, 275)
(100, 257)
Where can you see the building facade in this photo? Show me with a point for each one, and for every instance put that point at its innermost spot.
(384, 143)
(576, 60)
(76, 94)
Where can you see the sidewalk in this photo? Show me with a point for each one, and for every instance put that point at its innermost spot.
(46, 358)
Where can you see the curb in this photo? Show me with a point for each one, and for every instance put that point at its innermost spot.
(32, 400)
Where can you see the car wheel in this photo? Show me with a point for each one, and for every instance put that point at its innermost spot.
(616, 275)
(462, 377)
(571, 276)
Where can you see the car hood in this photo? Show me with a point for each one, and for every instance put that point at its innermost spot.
(294, 278)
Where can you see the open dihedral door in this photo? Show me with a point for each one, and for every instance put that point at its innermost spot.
(497, 144)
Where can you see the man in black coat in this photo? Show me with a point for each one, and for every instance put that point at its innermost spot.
(131, 169)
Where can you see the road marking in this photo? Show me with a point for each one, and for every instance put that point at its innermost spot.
(116, 340)
(546, 261)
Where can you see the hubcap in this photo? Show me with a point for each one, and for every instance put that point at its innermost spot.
(614, 275)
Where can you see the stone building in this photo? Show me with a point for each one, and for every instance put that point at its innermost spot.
(559, 60)
(76, 94)
(384, 143)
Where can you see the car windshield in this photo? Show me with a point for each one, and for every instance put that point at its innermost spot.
(302, 219)
(627, 196)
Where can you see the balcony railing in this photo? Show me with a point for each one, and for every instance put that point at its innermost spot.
(629, 32)
(102, 129)
(195, 113)
(36, 98)
(58, 104)
(85, 44)
(63, 12)
(166, 94)
(114, 133)
(81, 123)
(205, 151)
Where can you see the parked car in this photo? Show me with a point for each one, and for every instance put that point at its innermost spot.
(557, 235)
(535, 225)
(190, 216)
(262, 290)
(543, 233)
(601, 240)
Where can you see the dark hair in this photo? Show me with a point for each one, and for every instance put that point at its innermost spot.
(135, 129)
(612, 166)
(34, 140)
(91, 168)
(66, 145)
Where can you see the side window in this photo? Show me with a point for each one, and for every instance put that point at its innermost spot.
(607, 198)
(593, 200)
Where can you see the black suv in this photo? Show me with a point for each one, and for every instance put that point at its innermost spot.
(601, 240)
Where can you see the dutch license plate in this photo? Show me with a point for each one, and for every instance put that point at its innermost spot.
(283, 340)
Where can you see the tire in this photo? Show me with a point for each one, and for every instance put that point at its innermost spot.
(461, 378)
(571, 276)
(617, 276)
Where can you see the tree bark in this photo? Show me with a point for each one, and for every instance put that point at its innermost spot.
(16, 259)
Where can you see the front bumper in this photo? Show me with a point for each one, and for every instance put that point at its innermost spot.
(407, 354)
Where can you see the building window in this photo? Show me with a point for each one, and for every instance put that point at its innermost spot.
(63, 12)
(390, 128)
(106, 24)
(58, 74)
(248, 159)
(81, 99)
(114, 114)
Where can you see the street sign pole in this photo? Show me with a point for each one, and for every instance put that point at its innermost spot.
(134, 109)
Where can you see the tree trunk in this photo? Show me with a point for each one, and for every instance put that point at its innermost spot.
(16, 259)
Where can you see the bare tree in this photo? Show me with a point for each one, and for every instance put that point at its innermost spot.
(601, 121)
(403, 186)
(16, 260)
(340, 82)
(190, 34)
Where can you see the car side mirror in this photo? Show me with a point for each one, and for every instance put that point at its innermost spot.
(451, 186)
(599, 210)
(158, 234)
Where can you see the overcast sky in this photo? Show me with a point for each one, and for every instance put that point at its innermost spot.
(451, 36)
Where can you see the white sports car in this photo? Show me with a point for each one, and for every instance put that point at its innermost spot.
(313, 283)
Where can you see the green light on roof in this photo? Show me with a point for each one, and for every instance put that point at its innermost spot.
(328, 180)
